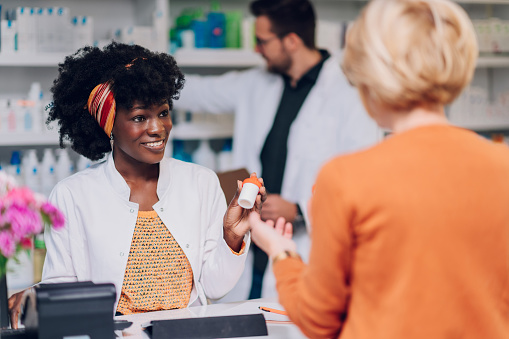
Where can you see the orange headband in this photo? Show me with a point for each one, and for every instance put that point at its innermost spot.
(101, 104)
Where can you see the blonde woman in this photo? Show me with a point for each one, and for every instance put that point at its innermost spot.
(410, 239)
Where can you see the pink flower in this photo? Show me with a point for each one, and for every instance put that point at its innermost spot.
(24, 221)
(56, 217)
(7, 245)
(23, 215)
(26, 243)
(21, 196)
(39, 200)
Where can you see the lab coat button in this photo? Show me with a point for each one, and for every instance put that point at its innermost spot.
(162, 209)
(132, 210)
(187, 245)
(121, 254)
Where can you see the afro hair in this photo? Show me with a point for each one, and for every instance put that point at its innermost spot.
(150, 78)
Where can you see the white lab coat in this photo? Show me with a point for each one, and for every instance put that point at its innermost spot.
(100, 221)
(331, 121)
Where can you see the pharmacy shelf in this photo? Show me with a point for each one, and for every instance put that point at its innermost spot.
(206, 57)
(31, 60)
(29, 138)
(183, 131)
(244, 58)
(493, 61)
(197, 58)
(209, 57)
(199, 130)
(484, 126)
(484, 2)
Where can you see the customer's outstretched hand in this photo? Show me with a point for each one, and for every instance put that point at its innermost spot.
(272, 238)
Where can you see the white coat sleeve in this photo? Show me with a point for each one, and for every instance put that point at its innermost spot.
(212, 94)
(358, 130)
(221, 267)
(58, 265)
(355, 131)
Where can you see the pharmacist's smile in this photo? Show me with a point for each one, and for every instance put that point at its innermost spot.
(154, 145)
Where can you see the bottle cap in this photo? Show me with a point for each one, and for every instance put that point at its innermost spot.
(15, 158)
(252, 180)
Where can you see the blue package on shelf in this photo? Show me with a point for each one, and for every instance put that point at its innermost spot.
(200, 33)
(216, 29)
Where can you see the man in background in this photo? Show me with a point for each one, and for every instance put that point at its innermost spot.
(290, 117)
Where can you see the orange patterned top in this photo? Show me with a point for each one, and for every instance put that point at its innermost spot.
(158, 275)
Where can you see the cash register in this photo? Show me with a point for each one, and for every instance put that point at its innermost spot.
(68, 310)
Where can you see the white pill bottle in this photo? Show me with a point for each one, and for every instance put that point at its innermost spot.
(250, 188)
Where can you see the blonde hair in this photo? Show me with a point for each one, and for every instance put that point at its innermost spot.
(406, 53)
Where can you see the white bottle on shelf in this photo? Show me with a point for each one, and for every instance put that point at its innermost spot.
(64, 167)
(248, 33)
(63, 30)
(22, 122)
(4, 114)
(22, 29)
(11, 117)
(48, 175)
(8, 37)
(204, 155)
(14, 168)
(35, 97)
(83, 31)
(30, 170)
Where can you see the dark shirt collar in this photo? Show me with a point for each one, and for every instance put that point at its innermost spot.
(312, 74)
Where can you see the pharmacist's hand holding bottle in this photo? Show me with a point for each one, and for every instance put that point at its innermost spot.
(235, 222)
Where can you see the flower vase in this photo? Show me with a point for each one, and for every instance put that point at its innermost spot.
(4, 310)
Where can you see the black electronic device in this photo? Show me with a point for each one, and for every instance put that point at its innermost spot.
(249, 325)
(120, 325)
(74, 309)
(4, 309)
(18, 333)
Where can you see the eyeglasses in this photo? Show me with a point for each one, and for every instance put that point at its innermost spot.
(263, 42)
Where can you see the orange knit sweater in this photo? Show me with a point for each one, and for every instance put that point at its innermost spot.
(410, 239)
(158, 275)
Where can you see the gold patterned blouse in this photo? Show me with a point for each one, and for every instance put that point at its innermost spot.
(158, 275)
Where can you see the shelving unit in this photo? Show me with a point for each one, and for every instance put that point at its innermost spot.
(29, 138)
(196, 131)
(31, 60)
(495, 61)
(205, 57)
(485, 126)
(484, 2)
(208, 57)
(29, 66)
